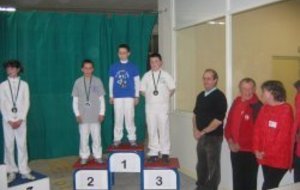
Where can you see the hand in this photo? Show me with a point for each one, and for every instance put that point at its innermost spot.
(259, 155)
(234, 147)
(101, 118)
(79, 119)
(12, 124)
(18, 123)
(136, 101)
(111, 100)
(197, 134)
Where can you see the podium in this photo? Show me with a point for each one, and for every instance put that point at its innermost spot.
(90, 176)
(160, 175)
(126, 159)
(3, 177)
(41, 181)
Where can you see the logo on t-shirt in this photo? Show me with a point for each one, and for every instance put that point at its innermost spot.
(122, 77)
(272, 124)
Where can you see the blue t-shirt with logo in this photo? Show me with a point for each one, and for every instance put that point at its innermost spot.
(123, 74)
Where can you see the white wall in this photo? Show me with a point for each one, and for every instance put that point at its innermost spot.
(188, 13)
(192, 12)
(166, 32)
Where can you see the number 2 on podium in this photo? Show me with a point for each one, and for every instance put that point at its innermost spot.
(90, 181)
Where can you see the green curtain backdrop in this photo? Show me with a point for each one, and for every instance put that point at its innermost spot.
(51, 46)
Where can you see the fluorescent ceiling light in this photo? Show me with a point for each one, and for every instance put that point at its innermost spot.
(215, 22)
(212, 22)
(8, 9)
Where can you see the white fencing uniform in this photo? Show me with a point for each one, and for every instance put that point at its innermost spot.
(157, 110)
(20, 134)
(124, 108)
(89, 115)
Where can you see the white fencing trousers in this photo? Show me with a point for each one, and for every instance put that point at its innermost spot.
(85, 130)
(10, 137)
(158, 130)
(124, 108)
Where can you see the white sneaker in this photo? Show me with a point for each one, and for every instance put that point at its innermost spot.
(99, 160)
(28, 176)
(133, 143)
(117, 143)
(11, 177)
(83, 161)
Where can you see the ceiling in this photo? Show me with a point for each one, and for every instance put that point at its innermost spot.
(115, 6)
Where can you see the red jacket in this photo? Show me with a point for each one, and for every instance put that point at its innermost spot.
(274, 135)
(240, 122)
(297, 119)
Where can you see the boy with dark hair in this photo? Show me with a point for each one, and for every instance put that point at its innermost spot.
(158, 86)
(14, 101)
(124, 94)
(89, 109)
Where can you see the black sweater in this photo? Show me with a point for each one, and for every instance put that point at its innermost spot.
(210, 107)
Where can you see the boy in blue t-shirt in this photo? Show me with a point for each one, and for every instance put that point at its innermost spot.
(124, 94)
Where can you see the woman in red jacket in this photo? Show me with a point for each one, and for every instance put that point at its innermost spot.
(297, 123)
(239, 135)
(274, 134)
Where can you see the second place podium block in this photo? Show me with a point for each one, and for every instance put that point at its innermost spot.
(92, 176)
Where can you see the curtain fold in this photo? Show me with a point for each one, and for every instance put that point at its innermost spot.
(51, 46)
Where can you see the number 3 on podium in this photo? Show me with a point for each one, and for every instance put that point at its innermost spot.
(159, 181)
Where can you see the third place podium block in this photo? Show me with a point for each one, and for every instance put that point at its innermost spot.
(160, 175)
(92, 176)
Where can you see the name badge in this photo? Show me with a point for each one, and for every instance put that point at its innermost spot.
(273, 124)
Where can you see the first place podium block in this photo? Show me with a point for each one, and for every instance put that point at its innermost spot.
(126, 159)
(160, 175)
(92, 176)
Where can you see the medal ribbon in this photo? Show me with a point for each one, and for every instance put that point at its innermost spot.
(155, 83)
(87, 92)
(14, 100)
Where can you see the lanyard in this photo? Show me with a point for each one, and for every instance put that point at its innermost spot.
(155, 83)
(87, 92)
(14, 99)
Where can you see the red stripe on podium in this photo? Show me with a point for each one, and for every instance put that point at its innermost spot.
(126, 148)
(90, 165)
(173, 164)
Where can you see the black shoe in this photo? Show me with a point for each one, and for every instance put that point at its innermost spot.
(152, 159)
(165, 158)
